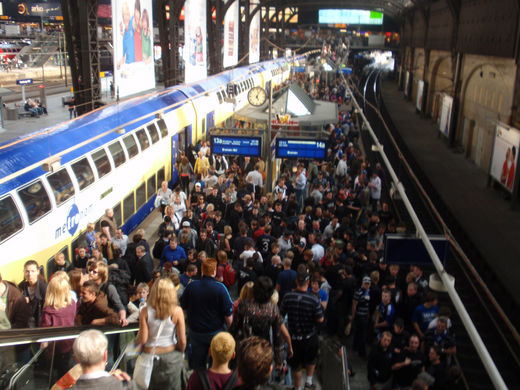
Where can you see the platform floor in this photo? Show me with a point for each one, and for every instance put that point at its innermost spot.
(482, 211)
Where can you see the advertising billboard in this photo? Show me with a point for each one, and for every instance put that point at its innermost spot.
(231, 28)
(444, 124)
(505, 156)
(254, 35)
(132, 24)
(349, 16)
(30, 9)
(195, 44)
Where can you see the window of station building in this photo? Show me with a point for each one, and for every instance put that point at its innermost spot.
(140, 196)
(153, 133)
(83, 173)
(118, 155)
(118, 218)
(128, 207)
(162, 127)
(131, 146)
(61, 185)
(35, 200)
(10, 220)
(143, 139)
(150, 187)
(101, 162)
(160, 176)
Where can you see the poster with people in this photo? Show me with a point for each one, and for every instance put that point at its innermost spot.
(445, 122)
(132, 24)
(254, 35)
(505, 155)
(231, 28)
(195, 40)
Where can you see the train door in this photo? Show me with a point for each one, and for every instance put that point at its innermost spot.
(210, 122)
(175, 149)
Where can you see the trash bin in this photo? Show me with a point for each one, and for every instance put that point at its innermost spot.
(11, 114)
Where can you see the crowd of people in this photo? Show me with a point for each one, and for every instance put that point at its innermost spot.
(303, 261)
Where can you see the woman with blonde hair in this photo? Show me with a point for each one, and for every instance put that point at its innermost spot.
(59, 309)
(246, 294)
(162, 331)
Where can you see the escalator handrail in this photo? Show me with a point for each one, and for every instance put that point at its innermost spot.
(14, 337)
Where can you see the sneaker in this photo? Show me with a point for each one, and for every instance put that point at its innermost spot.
(309, 387)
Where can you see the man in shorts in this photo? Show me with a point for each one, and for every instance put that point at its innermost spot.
(305, 312)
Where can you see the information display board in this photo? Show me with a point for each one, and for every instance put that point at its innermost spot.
(403, 249)
(300, 148)
(236, 146)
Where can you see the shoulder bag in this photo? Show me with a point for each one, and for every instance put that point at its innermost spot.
(144, 365)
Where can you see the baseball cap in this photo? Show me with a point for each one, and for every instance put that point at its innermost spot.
(186, 224)
(366, 279)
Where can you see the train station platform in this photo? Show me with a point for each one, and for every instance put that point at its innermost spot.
(486, 217)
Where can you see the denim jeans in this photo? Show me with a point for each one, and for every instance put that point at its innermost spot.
(200, 348)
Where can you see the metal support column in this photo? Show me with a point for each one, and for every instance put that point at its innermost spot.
(80, 19)
(168, 12)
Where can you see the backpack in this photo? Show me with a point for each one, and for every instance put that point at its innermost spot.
(204, 380)
(230, 275)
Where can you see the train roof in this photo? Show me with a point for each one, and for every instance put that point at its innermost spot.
(33, 148)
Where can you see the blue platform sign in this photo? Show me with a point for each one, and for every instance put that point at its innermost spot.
(24, 81)
(300, 148)
(404, 249)
(236, 146)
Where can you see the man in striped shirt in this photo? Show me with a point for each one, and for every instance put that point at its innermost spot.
(304, 312)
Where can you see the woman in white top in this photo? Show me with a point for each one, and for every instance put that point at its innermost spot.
(162, 306)
(164, 196)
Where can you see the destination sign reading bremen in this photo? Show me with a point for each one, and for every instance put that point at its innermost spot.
(300, 148)
(236, 146)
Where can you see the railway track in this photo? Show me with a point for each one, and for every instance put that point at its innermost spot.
(502, 343)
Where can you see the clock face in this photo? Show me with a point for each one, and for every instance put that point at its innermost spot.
(256, 96)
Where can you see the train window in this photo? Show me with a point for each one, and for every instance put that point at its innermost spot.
(224, 93)
(101, 162)
(203, 130)
(219, 96)
(83, 173)
(162, 127)
(143, 139)
(140, 196)
(150, 187)
(61, 185)
(116, 150)
(35, 200)
(153, 133)
(80, 242)
(160, 175)
(50, 262)
(117, 214)
(131, 146)
(10, 220)
(128, 207)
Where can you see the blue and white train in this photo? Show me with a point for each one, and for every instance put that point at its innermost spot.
(56, 180)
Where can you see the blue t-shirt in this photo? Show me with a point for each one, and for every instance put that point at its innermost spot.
(321, 294)
(423, 316)
(207, 303)
(128, 43)
(171, 255)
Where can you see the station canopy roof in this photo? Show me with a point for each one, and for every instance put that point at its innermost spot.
(303, 111)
